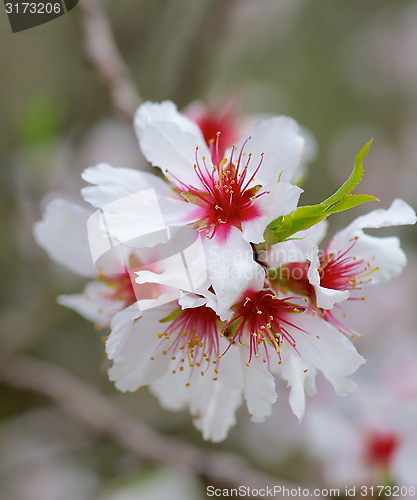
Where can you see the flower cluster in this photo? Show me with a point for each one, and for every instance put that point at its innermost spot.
(211, 279)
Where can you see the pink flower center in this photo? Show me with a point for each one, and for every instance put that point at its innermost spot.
(121, 288)
(261, 319)
(344, 272)
(227, 199)
(293, 276)
(381, 446)
(195, 336)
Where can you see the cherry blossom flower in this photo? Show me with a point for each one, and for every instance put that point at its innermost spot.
(354, 260)
(178, 354)
(207, 325)
(351, 261)
(63, 234)
(224, 117)
(281, 332)
(231, 200)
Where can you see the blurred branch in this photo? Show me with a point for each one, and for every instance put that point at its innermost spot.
(103, 54)
(88, 406)
(203, 38)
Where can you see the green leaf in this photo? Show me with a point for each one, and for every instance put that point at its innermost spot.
(305, 217)
(350, 201)
(353, 179)
(279, 228)
(304, 223)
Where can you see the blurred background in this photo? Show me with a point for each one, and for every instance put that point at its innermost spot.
(347, 72)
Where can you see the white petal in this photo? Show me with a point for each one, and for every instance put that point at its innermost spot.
(112, 184)
(282, 144)
(315, 233)
(232, 269)
(95, 303)
(325, 348)
(170, 389)
(132, 365)
(144, 217)
(165, 145)
(159, 112)
(120, 327)
(326, 297)
(293, 372)
(398, 214)
(384, 255)
(188, 300)
(173, 272)
(169, 139)
(214, 402)
(63, 234)
(281, 198)
(219, 415)
(310, 381)
(259, 386)
(170, 295)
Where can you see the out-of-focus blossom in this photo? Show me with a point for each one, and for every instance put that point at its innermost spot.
(370, 441)
(221, 117)
(224, 117)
